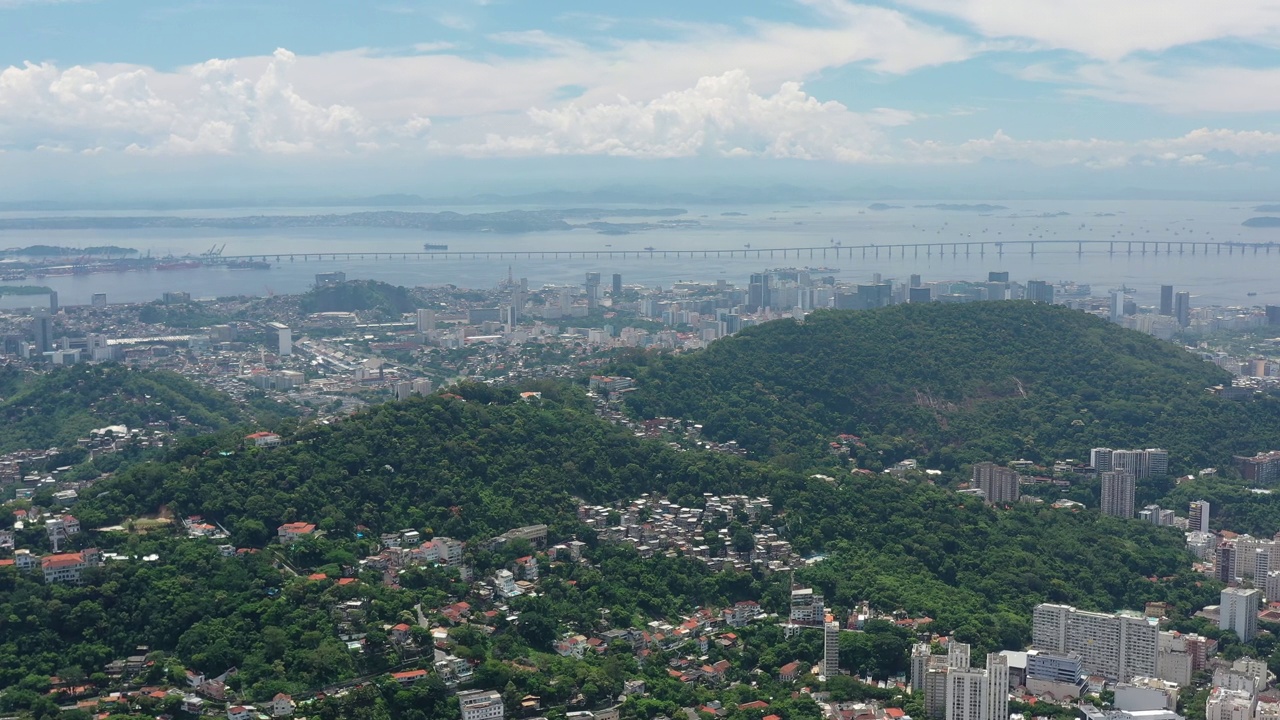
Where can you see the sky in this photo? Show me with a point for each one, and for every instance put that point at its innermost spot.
(228, 98)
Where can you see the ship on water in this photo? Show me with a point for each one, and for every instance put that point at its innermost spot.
(179, 265)
(249, 265)
(434, 246)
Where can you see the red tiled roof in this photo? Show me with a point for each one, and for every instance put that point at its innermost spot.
(63, 560)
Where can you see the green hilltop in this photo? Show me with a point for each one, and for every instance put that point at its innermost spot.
(954, 384)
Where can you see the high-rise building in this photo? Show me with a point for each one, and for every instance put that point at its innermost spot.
(1198, 516)
(1100, 459)
(1224, 563)
(1117, 305)
(1238, 612)
(831, 649)
(284, 339)
(999, 484)
(920, 654)
(42, 329)
(979, 693)
(1116, 646)
(1117, 494)
(426, 320)
(998, 277)
(1182, 308)
(759, 292)
(99, 300)
(875, 295)
(1142, 464)
(1272, 586)
(919, 295)
(1224, 704)
(1273, 314)
(914, 281)
(959, 655)
(593, 289)
(806, 607)
(935, 687)
(617, 284)
(1166, 300)
(1039, 291)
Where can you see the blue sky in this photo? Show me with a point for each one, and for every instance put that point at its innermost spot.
(113, 97)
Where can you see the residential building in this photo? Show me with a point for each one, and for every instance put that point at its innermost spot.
(1182, 308)
(1263, 468)
(1224, 704)
(505, 583)
(1142, 464)
(1117, 494)
(1115, 646)
(68, 567)
(1272, 587)
(1039, 291)
(789, 672)
(1166, 300)
(263, 439)
(999, 484)
(979, 693)
(807, 607)
(289, 532)
(920, 654)
(1238, 611)
(1198, 516)
(1054, 675)
(831, 649)
(409, 677)
(1144, 694)
(1224, 563)
(241, 712)
(281, 705)
(1156, 515)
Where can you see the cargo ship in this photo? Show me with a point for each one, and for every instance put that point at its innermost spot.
(434, 246)
(249, 265)
(179, 265)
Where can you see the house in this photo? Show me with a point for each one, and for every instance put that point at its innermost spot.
(289, 532)
(195, 679)
(572, 646)
(741, 613)
(281, 705)
(754, 705)
(789, 672)
(66, 567)
(192, 704)
(241, 712)
(409, 677)
(263, 439)
(505, 583)
(527, 568)
(62, 525)
(400, 632)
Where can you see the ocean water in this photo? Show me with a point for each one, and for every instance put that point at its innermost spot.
(1214, 279)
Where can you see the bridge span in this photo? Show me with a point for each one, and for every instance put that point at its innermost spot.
(836, 251)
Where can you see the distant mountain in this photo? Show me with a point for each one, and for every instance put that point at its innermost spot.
(1267, 208)
(953, 384)
(980, 207)
(1262, 222)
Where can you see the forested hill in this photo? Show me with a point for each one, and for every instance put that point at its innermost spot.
(952, 384)
(54, 408)
(472, 469)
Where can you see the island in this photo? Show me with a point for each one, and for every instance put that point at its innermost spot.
(981, 207)
(883, 206)
(1265, 221)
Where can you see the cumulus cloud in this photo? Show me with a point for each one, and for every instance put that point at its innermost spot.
(721, 115)
(1181, 89)
(1111, 30)
(208, 108)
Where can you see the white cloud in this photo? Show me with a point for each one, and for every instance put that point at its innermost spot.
(1176, 89)
(208, 108)
(721, 115)
(1111, 29)
(1197, 147)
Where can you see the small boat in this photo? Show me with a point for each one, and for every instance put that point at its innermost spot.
(1252, 294)
(649, 249)
(434, 246)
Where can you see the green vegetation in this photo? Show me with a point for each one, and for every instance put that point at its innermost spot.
(371, 298)
(24, 290)
(954, 384)
(54, 408)
(180, 315)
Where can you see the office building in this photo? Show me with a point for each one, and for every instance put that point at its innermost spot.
(1224, 561)
(426, 320)
(831, 649)
(1261, 468)
(979, 693)
(919, 295)
(998, 484)
(1273, 314)
(1182, 308)
(1166, 300)
(593, 289)
(759, 292)
(1117, 305)
(98, 300)
(284, 338)
(1198, 516)
(42, 330)
(1039, 291)
(1115, 646)
(998, 277)
(481, 705)
(617, 284)
(1061, 676)
(914, 281)
(1117, 494)
(1238, 612)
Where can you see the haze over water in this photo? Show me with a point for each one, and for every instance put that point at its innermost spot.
(1215, 279)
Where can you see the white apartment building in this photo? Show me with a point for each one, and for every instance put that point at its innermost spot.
(481, 705)
(979, 693)
(1118, 489)
(1226, 704)
(1114, 646)
(1238, 611)
(831, 649)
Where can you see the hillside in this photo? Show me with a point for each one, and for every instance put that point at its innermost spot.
(952, 384)
(473, 469)
(370, 297)
(55, 408)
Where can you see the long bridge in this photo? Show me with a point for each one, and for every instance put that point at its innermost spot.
(835, 251)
